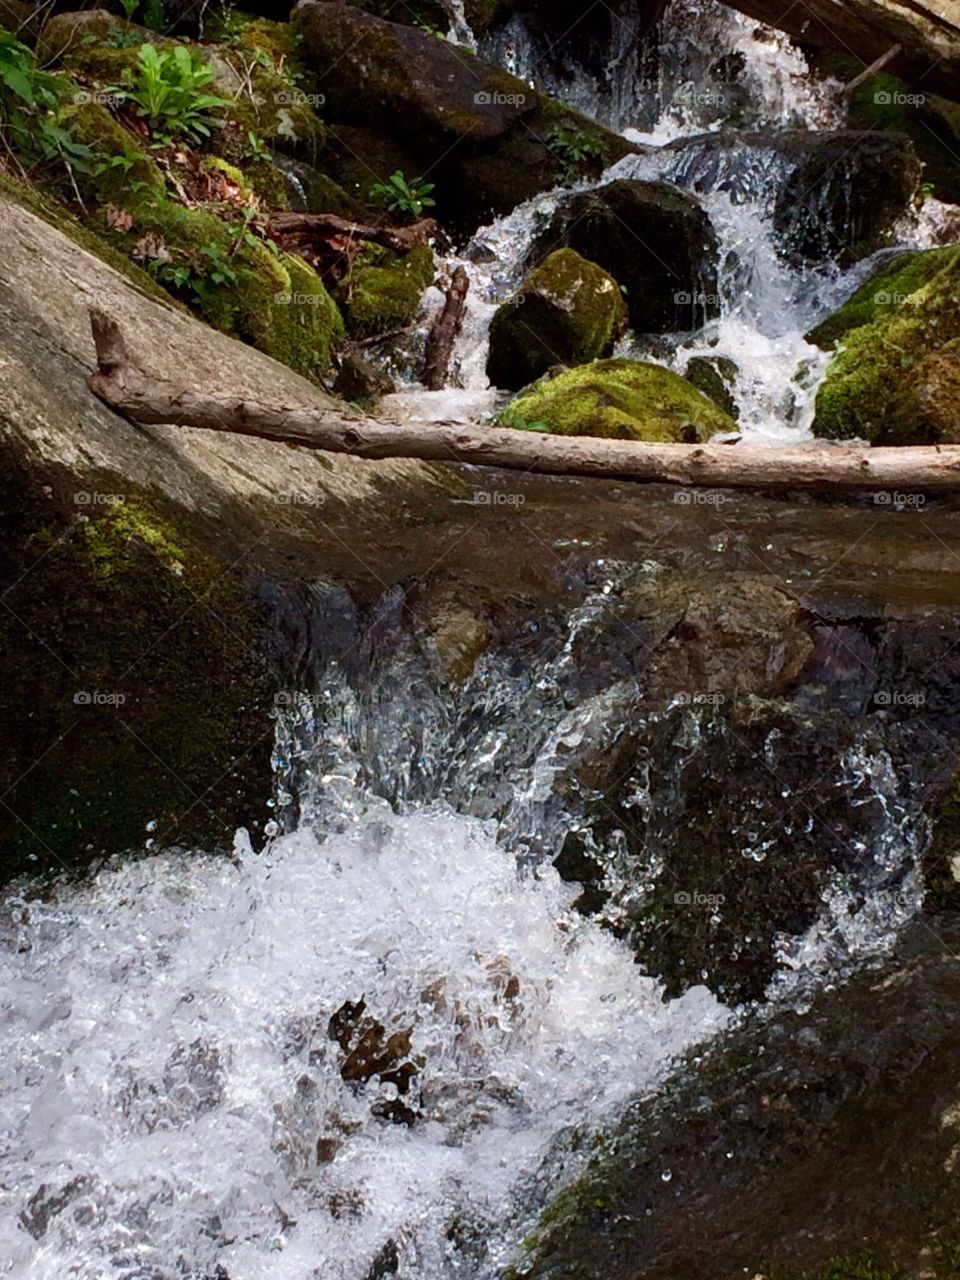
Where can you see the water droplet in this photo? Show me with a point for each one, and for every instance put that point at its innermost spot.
(666, 1175)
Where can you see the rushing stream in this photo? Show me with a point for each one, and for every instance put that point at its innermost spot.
(767, 300)
(377, 1046)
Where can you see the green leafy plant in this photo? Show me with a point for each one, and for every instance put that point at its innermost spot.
(511, 418)
(400, 195)
(199, 279)
(575, 149)
(258, 148)
(31, 109)
(169, 90)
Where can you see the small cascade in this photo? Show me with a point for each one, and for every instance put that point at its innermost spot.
(460, 30)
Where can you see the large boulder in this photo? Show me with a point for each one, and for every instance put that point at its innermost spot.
(836, 194)
(138, 662)
(483, 134)
(654, 239)
(567, 311)
(928, 35)
(621, 400)
(894, 377)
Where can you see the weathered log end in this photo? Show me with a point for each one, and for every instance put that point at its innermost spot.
(112, 353)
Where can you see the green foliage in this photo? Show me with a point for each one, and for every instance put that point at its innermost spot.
(400, 195)
(169, 90)
(510, 417)
(258, 148)
(575, 149)
(31, 108)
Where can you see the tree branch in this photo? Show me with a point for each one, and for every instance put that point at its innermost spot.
(128, 391)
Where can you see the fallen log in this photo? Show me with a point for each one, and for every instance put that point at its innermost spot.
(445, 331)
(908, 470)
(310, 229)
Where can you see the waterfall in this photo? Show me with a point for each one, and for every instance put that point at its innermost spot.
(767, 301)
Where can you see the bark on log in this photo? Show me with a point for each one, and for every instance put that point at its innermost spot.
(308, 230)
(445, 331)
(129, 392)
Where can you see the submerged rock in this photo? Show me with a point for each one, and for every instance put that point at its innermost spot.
(894, 378)
(567, 311)
(654, 239)
(619, 399)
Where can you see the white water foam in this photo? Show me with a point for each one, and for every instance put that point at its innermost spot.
(169, 1070)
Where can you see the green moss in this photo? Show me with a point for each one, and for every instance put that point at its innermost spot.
(276, 302)
(267, 181)
(568, 311)
(621, 400)
(136, 171)
(715, 376)
(912, 308)
(383, 290)
(272, 105)
(130, 678)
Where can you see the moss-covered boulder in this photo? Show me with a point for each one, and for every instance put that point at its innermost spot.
(620, 400)
(383, 290)
(653, 238)
(567, 311)
(893, 379)
(484, 135)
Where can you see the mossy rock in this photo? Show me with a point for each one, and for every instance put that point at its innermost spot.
(567, 311)
(383, 290)
(619, 400)
(131, 679)
(94, 46)
(878, 380)
(359, 158)
(276, 302)
(271, 104)
(715, 376)
(93, 125)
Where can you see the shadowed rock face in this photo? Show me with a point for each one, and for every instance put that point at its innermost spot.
(481, 133)
(651, 237)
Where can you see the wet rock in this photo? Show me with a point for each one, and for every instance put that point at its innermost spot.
(715, 376)
(941, 863)
(370, 1050)
(49, 1202)
(567, 311)
(359, 380)
(813, 1144)
(845, 195)
(619, 399)
(654, 239)
(482, 133)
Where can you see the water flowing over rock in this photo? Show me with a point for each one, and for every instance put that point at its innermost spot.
(929, 35)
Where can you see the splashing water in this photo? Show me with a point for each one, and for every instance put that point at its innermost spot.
(176, 1105)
